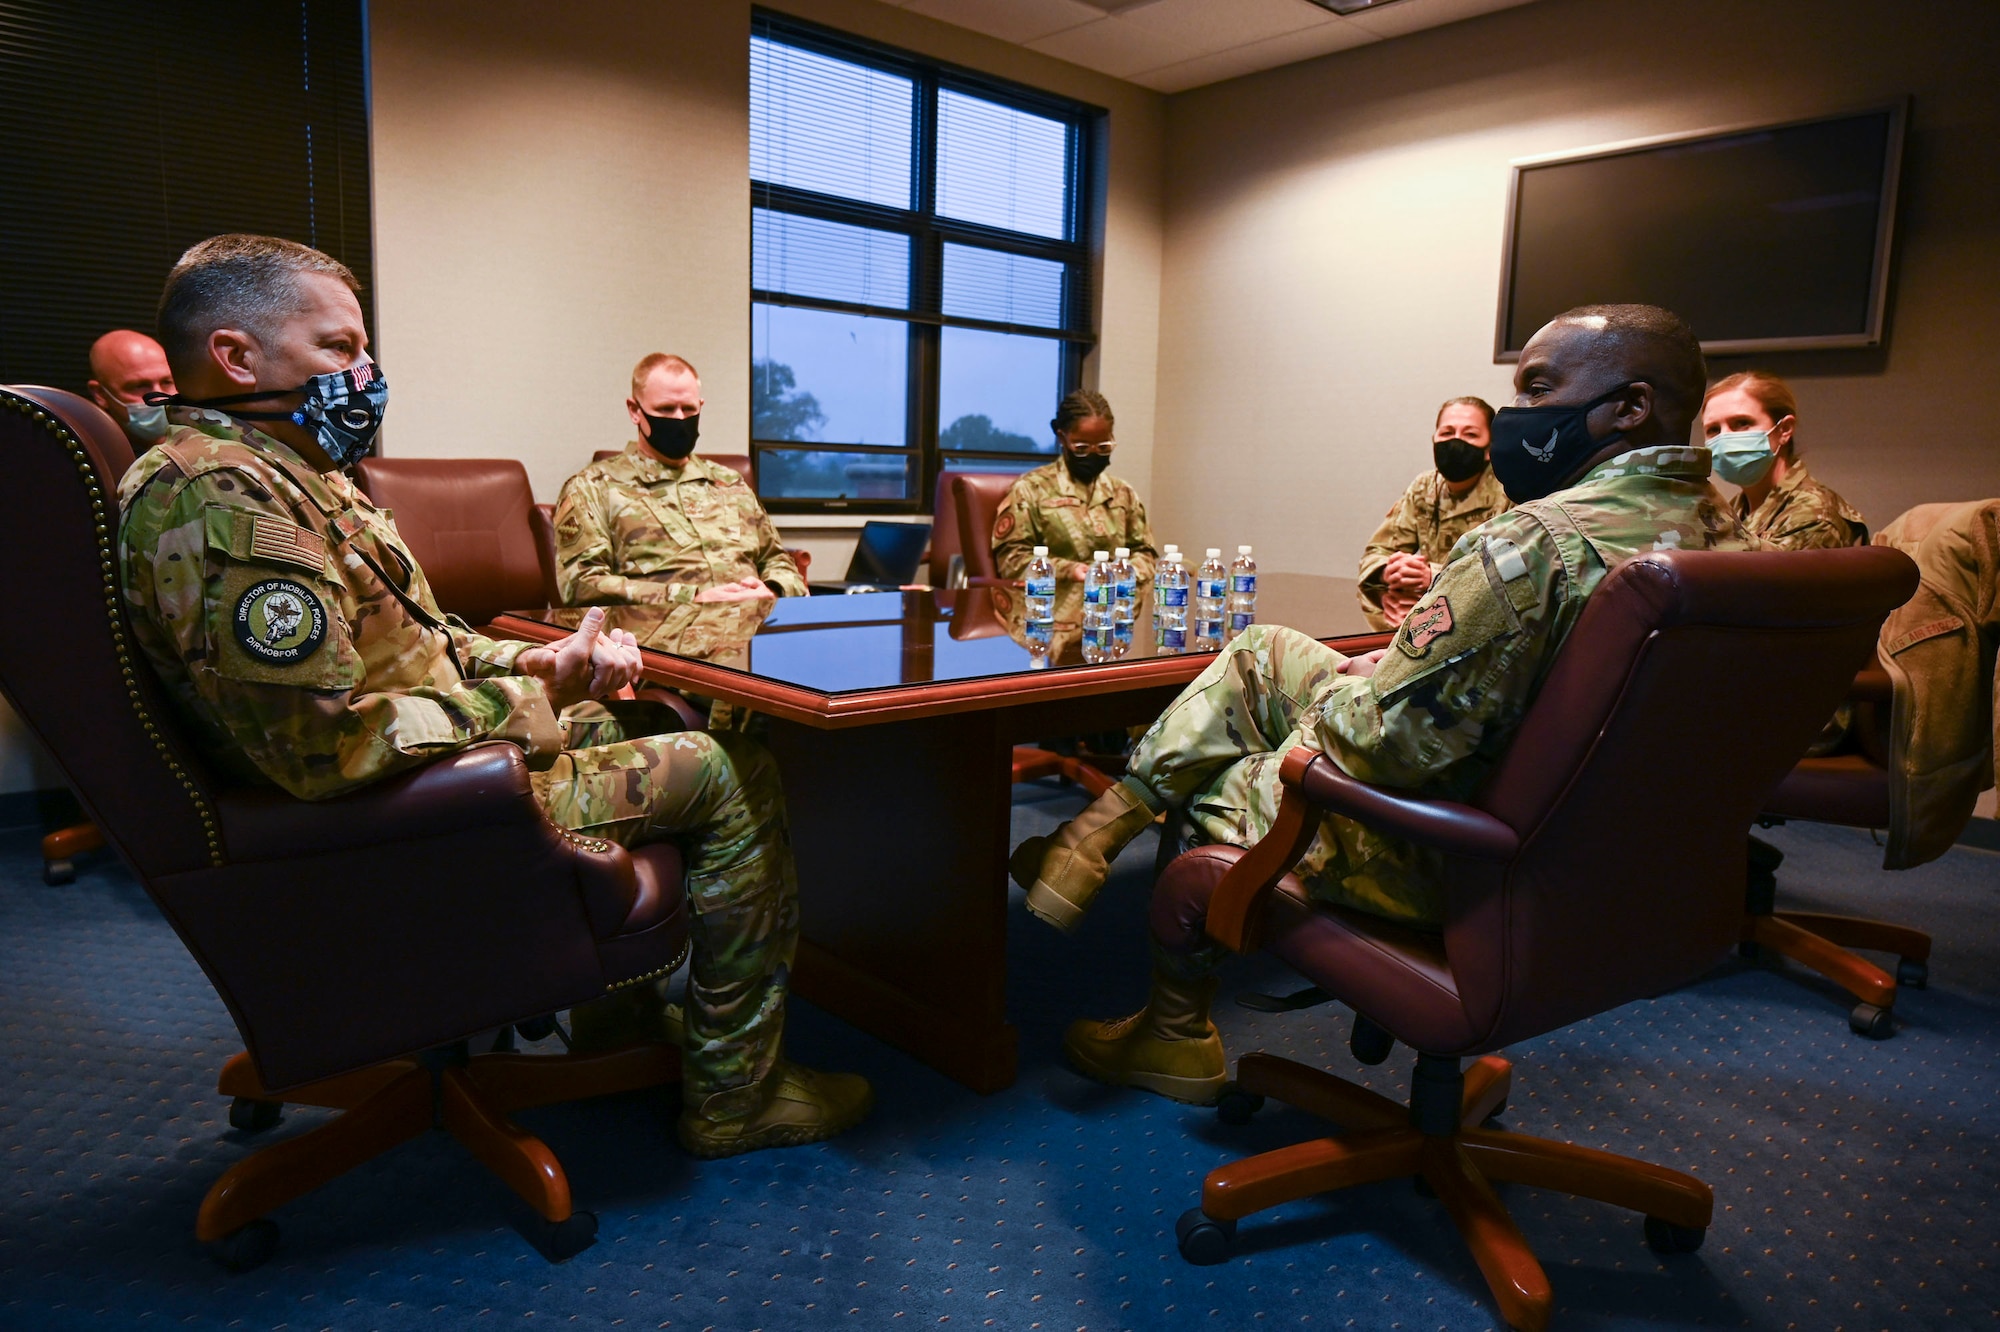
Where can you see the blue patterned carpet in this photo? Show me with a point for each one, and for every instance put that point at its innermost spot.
(1855, 1181)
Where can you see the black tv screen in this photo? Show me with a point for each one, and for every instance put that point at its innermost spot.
(1768, 238)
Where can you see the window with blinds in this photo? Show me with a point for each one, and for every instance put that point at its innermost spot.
(135, 128)
(920, 270)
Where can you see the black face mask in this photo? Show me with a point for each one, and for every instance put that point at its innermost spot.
(672, 436)
(1457, 460)
(1536, 449)
(1085, 467)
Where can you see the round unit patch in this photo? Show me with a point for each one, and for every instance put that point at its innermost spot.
(280, 620)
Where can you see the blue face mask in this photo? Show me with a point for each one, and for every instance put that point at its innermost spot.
(1743, 457)
(343, 409)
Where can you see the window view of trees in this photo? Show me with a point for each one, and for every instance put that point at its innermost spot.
(777, 409)
(978, 433)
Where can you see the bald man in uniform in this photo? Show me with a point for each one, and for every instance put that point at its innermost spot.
(1595, 454)
(126, 365)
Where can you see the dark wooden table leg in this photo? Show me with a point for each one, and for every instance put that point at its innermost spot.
(901, 834)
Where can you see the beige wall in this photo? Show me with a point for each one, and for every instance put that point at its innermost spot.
(1334, 237)
(559, 190)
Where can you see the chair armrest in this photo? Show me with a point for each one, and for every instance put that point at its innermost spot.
(1313, 785)
(1872, 685)
(478, 787)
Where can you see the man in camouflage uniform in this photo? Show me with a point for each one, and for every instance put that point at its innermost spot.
(1431, 713)
(1459, 493)
(288, 620)
(1073, 506)
(657, 525)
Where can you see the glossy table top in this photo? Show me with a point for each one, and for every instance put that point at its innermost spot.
(837, 654)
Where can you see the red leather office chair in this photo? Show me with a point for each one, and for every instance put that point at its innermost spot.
(468, 521)
(975, 500)
(1851, 789)
(357, 942)
(1600, 862)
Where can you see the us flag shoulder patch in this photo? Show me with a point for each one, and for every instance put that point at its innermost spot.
(284, 542)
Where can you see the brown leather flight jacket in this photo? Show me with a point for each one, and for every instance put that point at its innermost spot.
(1938, 648)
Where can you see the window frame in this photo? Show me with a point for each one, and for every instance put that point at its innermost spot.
(929, 233)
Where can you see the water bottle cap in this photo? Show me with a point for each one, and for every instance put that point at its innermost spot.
(1123, 552)
(1215, 552)
(1243, 550)
(1041, 552)
(1099, 556)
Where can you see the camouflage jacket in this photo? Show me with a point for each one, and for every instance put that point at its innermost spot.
(1462, 670)
(1046, 507)
(1426, 521)
(288, 620)
(1802, 514)
(632, 531)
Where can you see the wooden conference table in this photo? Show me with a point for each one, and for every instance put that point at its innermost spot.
(893, 716)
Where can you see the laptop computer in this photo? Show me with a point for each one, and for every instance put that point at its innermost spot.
(886, 556)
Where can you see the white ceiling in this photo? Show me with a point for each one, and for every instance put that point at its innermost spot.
(1174, 45)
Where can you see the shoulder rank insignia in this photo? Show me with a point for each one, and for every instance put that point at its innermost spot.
(1425, 625)
(280, 621)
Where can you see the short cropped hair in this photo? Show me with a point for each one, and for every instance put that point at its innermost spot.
(1485, 408)
(659, 361)
(238, 281)
(1664, 338)
(1081, 405)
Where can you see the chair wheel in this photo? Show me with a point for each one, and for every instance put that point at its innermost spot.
(560, 1241)
(56, 873)
(1877, 1024)
(1204, 1241)
(1369, 1042)
(248, 1247)
(1236, 1106)
(248, 1116)
(1663, 1236)
(1913, 975)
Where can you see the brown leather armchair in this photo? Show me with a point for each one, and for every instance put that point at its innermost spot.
(1600, 862)
(359, 943)
(1851, 789)
(469, 523)
(976, 498)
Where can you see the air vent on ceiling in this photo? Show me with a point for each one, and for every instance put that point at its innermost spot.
(1337, 6)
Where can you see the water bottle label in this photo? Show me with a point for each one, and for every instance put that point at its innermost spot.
(1038, 633)
(1128, 589)
(1208, 628)
(1095, 595)
(1240, 620)
(1173, 596)
(1173, 639)
(1093, 634)
(1041, 587)
(1246, 582)
(1210, 587)
(1122, 632)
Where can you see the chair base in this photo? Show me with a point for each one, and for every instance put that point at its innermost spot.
(1823, 942)
(387, 1104)
(61, 848)
(1031, 763)
(1460, 1167)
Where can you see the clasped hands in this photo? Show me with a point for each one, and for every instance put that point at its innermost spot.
(593, 662)
(747, 588)
(1405, 579)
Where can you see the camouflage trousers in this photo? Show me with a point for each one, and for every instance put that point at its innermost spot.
(717, 796)
(1214, 755)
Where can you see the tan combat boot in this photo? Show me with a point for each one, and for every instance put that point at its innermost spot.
(1063, 871)
(1168, 1047)
(792, 1105)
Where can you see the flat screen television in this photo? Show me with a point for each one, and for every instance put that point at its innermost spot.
(1764, 237)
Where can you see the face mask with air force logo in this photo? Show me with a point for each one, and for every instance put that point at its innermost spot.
(1535, 449)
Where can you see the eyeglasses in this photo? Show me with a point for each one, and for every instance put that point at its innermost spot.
(1075, 446)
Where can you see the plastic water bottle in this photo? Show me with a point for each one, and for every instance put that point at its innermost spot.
(1211, 588)
(1041, 608)
(1170, 603)
(1242, 592)
(1098, 590)
(1124, 587)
